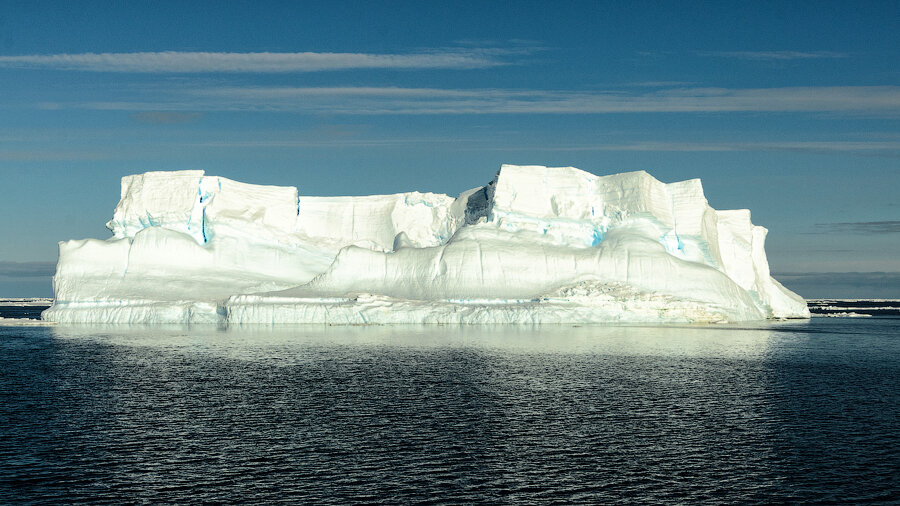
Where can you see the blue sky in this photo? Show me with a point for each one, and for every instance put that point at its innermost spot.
(789, 109)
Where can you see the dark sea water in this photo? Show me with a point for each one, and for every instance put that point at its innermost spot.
(774, 412)
(26, 312)
(855, 308)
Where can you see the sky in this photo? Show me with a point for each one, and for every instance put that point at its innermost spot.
(789, 109)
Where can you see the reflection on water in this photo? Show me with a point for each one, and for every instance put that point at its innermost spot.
(257, 342)
(768, 412)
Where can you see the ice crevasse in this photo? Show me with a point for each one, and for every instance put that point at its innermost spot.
(535, 245)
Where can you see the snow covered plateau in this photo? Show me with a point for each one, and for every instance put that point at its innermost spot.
(535, 245)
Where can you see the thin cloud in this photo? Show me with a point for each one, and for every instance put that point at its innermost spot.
(479, 144)
(325, 143)
(861, 227)
(884, 148)
(43, 155)
(345, 91)
(660, 84)
(831, 251)
(882, 101)
(873, 99)
(27, 269)
(166, 117)
(777, 55)
(197, 62)
(514, 43)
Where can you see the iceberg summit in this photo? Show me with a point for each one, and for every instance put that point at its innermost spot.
(535, 245)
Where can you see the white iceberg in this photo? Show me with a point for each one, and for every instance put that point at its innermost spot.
(535, 245)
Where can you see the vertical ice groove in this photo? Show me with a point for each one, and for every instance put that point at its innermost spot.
(678, 244)
(193, 211)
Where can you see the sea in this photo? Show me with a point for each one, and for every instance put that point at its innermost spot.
(801, 411)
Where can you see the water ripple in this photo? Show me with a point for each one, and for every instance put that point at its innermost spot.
(700, 415)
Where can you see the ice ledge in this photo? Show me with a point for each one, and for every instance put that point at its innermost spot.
(583, 303)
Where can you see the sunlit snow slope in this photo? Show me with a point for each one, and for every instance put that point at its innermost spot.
(535, 245)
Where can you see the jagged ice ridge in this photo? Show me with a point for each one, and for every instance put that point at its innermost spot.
(535, 245)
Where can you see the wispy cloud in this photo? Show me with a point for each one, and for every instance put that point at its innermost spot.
(166, 117)
(328, 143)
(889, 149)
(660, 84)
(273, 93)
(26, 269)
(854, 100)
(861, 227)
(349, 100)
(44, 155)
(197, 62)
(510, 44)
(777, 55)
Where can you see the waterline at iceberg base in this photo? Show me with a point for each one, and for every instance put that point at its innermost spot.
(535, 245)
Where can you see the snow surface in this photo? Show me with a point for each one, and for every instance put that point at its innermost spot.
(535, 245)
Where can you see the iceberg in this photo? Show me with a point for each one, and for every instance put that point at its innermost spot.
(535, 245)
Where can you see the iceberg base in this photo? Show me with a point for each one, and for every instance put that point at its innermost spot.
(135, 312)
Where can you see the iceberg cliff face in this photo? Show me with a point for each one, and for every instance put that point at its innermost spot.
(535, 245)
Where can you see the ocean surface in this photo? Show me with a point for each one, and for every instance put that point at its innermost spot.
(797, 411)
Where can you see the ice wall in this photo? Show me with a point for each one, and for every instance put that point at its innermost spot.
(536, 244)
